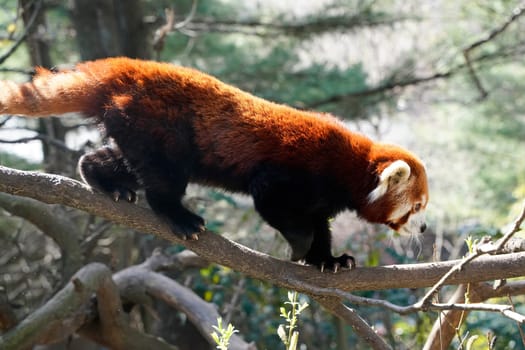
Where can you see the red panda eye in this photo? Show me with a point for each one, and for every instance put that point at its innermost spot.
(417, 207)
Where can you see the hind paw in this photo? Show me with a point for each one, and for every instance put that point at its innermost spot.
(122, 193)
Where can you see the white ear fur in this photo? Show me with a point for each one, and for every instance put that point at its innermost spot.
(395, 173)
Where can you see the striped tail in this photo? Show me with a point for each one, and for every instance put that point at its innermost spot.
(48, 94)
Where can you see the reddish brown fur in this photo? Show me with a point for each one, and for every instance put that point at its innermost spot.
(234, 132)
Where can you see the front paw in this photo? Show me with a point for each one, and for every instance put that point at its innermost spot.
(334, 264)
(186, 227)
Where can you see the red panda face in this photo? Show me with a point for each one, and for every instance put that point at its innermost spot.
(400, 198)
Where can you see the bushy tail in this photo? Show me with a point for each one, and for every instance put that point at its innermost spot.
(48, 94)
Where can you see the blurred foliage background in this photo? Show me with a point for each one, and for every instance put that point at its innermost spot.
(395, 70)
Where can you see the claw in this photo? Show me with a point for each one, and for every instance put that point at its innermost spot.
(336, 267)
(350, 263)
(194, 237)
(322, 267)
(116, 196)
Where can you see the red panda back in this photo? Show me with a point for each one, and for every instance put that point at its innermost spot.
(172, 125)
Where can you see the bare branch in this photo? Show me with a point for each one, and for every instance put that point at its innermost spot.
(188, 18)
(62, 230)
(444, 329)
(162, 32)
(518, 11)
(516, 227)
(350, 316)
(5, 120)
(171, 25)
(306, 28)
(20, 40)
(396, 84)
(59, 317)
(69, 311)
(140, 282)
(47, 139)
(482, 249)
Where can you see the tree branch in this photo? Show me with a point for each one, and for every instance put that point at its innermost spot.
(54, 189)
(22, 38)
(393, 84)
(62, 230)
(445, 327)
(40, 328)
(140, 281)
(350, 316)
(518, 11)
(71, 310)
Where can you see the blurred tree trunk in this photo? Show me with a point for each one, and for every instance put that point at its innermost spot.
(110, 28)
(56, 160)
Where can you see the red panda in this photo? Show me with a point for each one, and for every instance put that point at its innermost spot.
(173, 125)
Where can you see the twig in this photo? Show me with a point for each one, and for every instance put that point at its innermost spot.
(359, 325)
(44, 138)
(162, 32)
(5, 120)
(522, 334)
(477, 81)
(20, 40)
(516, 13)
(481, 250)
(505, 310)
(514, 229)
(171, 25)
(446, 326)
(230, 308)
(188, 18)
(28, 72)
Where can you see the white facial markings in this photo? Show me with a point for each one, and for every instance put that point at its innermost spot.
(401, 210)
(414, 214)
(414, 224)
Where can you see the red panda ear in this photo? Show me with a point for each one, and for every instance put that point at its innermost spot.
(397, 172)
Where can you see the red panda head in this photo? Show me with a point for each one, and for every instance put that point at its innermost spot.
(400, 196)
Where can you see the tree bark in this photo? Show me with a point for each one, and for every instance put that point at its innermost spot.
(54, 189)
(110, 28)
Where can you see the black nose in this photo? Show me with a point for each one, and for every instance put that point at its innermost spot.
(423, 228)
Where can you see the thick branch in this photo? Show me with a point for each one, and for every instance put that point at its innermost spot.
(60, 316)
(72, 308)
(55, 189)
(140, 281)
(62, 230)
